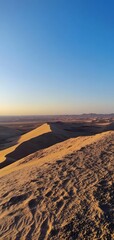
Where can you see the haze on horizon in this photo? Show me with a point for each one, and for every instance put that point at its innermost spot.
(56, 57)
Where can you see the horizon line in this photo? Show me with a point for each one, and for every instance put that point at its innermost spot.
(73, 114)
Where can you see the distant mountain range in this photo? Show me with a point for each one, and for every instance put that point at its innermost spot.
(46, 118)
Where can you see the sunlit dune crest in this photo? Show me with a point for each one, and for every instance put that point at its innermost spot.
(45, 128)
(59, 150)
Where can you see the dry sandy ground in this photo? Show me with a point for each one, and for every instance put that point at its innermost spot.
(63, 192)
(18, 145)
(45, 128)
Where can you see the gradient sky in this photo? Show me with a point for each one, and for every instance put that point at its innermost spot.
(56, 56)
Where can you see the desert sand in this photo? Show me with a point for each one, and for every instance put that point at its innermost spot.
(48, 134)
(24, 138)
(63, 190)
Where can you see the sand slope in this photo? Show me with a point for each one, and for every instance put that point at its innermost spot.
(62, 192)
(45, 128)
(45, 136)
(59, 150)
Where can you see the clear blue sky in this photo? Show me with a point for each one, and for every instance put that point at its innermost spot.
(56, 56)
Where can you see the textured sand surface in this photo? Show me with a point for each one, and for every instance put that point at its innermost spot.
(63, 192)
(42, 137)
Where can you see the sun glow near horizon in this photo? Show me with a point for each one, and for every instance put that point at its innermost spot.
(56, 57)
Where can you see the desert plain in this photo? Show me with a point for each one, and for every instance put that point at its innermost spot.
(57, 178)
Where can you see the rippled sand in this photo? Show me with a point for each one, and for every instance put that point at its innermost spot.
(63, 192)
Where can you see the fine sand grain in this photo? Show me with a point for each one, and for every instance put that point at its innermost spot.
(63, 192)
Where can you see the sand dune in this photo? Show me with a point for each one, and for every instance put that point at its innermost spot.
(45, 128)
(59, 150)
(39, 138)
(45, 136)
(62, 192)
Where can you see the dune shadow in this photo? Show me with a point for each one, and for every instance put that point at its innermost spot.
(31, 146)
(73, 130)
(9, 142)
(60, 132)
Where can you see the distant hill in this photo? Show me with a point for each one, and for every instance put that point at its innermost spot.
(46, 118)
